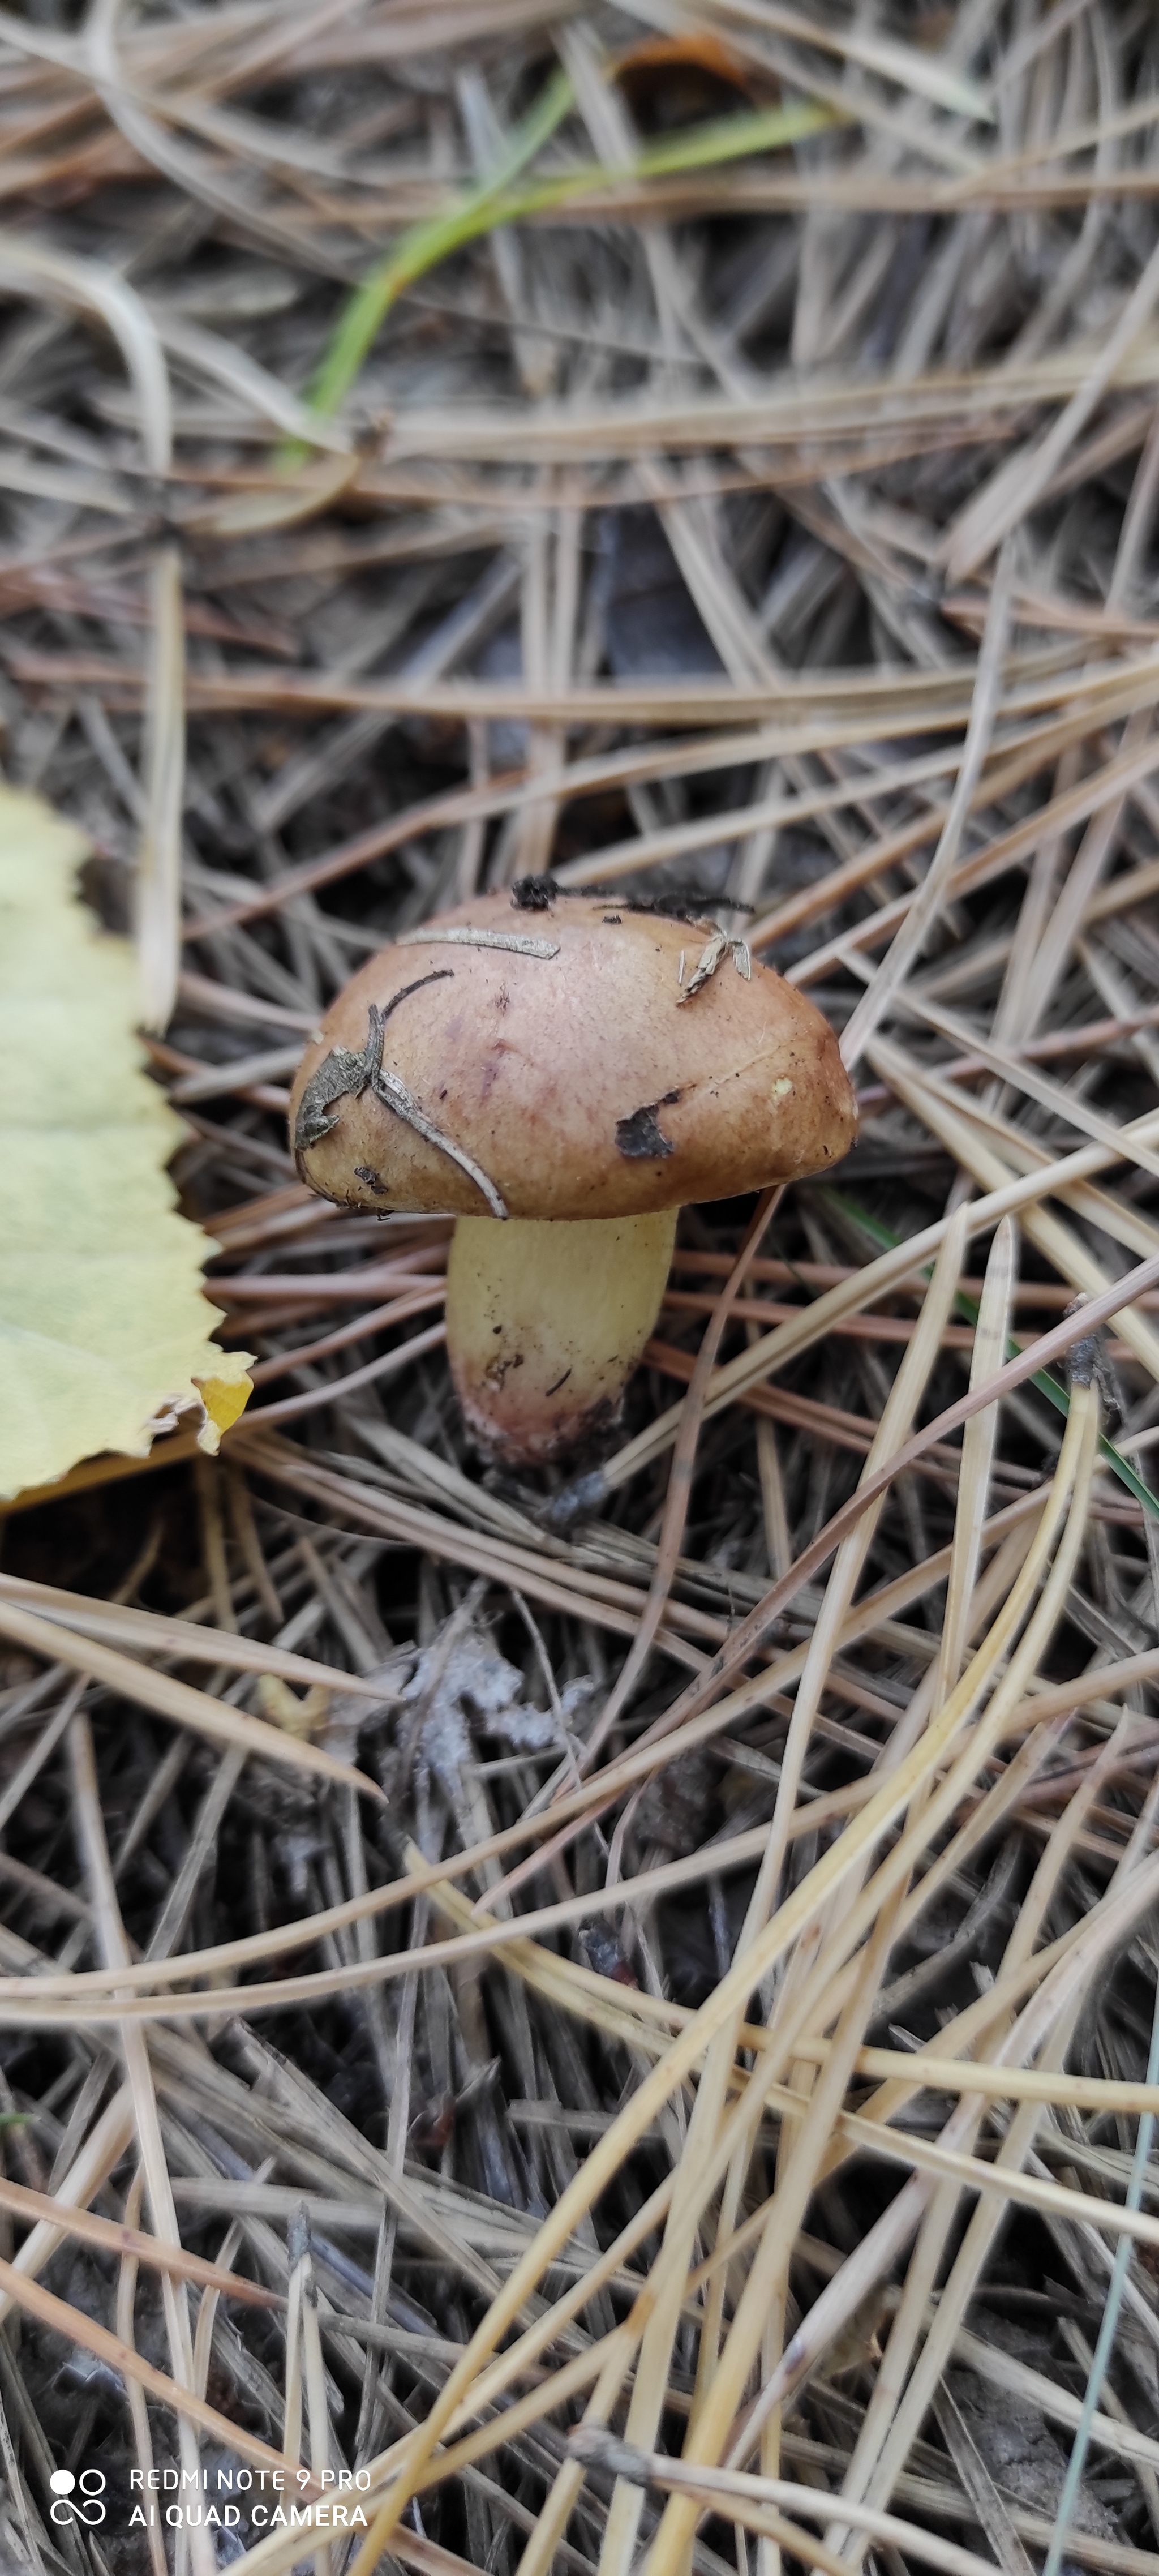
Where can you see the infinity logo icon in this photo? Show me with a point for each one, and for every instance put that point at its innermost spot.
(78, 2499)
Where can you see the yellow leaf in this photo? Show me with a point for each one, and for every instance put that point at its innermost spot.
(225, 1399)
(104, 1331)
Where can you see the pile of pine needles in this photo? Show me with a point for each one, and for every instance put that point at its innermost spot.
(660, 2068)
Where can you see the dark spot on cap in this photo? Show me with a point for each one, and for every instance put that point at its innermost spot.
(534, 894)
(685, 903)
(640, 1137)
(374, 1180)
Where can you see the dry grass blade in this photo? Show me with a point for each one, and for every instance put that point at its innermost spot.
(180, 1637)
(110, 1933)
(38, 268)
(907, 947)
(175, 1700)
(33, 2301)
(159, 868)
(876, 1280)
(125, 2328)
(728, 2385)
(732, 2485)
(679, 1495)
(793, 1916)
(129, 2241)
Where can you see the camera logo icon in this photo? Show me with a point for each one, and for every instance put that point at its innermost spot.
(78, 2499)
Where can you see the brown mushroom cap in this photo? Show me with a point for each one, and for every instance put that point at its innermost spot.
(558, 1058)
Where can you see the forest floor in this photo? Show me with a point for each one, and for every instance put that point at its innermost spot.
(703, 2111)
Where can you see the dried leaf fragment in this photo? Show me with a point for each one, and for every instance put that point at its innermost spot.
(104, 1331)
(304, 1717)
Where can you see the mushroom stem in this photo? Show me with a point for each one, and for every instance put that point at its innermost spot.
(545, 1323)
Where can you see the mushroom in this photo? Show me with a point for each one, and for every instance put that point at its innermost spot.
(563, 1073)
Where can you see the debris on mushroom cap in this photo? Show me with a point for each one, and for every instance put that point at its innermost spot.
(552, 1063)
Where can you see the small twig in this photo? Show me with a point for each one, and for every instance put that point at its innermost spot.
(718, 947)
(520, 943)
(344, 1074)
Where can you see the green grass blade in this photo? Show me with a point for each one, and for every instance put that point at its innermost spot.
(498, 200)
(725, 138)
(425, 244)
